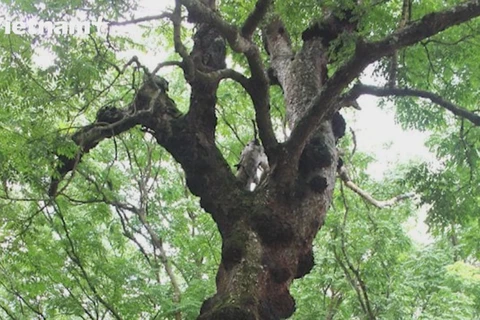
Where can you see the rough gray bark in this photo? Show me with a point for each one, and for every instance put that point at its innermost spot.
(267, 234)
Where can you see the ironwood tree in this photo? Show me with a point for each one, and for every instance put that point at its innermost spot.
(267, 229)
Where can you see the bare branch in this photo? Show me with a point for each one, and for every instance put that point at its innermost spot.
(234, 75)
(230, 125)
(139, 20)
(377, 203)
(255, 17)
(167, 64)
(348, 267)
(405, 92)
(141, 211)
(325, 102)
(34, 308)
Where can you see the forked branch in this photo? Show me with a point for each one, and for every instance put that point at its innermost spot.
(242, 44)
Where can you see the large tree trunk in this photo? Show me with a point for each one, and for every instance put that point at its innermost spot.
(269, 242)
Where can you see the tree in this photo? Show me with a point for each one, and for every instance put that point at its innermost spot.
(311, 62)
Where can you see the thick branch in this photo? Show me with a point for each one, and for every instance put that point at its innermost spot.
(111, 122)
(278, 45)
(325, 103)
(88, 138)
(254, 19)
(406, 92)
(261, 101)
(208, 175)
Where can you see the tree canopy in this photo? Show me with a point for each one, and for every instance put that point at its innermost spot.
(119, 197)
